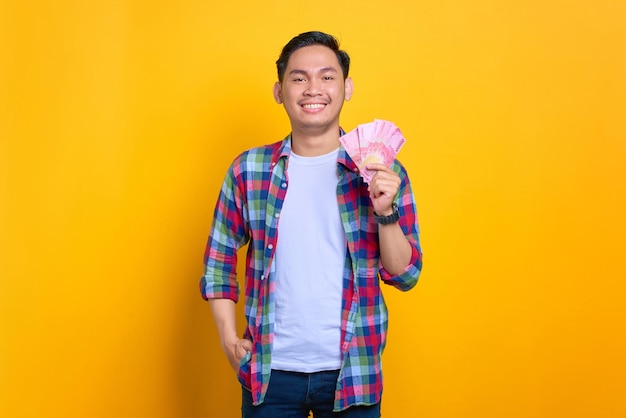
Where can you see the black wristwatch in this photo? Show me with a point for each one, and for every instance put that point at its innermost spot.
(389, 219)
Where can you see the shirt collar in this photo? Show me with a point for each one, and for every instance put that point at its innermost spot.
(284, 150)
(281, 149)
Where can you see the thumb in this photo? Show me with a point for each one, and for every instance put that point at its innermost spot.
(247, 344)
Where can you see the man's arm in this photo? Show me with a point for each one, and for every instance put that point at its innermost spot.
(219, 286)
(224, 316)
(395, 249)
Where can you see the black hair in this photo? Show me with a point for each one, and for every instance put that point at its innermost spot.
(308, 39)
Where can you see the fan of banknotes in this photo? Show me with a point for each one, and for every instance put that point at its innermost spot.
(373, 142)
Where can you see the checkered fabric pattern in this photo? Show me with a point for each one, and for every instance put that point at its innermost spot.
(247, 212)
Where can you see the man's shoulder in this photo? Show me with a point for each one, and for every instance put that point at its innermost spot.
(260, 154)
(256, 160)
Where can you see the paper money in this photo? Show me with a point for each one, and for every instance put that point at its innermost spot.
(374, 142)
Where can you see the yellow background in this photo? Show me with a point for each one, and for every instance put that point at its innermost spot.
(118, 120)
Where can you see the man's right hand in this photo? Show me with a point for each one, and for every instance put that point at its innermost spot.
(236, 350)
(234, 347)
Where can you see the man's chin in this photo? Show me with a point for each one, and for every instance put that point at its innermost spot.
(318, 125)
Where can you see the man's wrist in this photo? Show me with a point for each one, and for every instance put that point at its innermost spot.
(384, 212)
(388, 218)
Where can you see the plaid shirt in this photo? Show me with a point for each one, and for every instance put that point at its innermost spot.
(247, 212)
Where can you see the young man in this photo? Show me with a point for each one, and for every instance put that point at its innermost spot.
(319, 240)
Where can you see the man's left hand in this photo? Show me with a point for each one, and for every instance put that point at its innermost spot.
(383, 188)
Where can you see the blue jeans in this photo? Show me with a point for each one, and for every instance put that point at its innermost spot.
(294, 395)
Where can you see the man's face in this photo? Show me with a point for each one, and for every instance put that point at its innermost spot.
(313, 90)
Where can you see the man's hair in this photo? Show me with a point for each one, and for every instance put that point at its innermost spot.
(308, 39)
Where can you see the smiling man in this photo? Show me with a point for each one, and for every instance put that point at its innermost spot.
(320, 241)
(312, 87)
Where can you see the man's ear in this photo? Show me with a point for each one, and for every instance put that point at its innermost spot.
(349, 88)
(278, 95)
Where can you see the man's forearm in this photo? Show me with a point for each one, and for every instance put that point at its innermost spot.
(234, 347)
(395, 249)
(224, 316)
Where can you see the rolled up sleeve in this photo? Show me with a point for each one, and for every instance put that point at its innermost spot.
(409, 223)
(229, 232)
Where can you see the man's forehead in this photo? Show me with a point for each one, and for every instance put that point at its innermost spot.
(313, 58)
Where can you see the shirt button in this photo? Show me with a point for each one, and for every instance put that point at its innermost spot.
(276, 215)
(270, 246)
(273, 163)
(283, 185)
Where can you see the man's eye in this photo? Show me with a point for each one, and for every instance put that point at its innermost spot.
(299, 80)
(328, 78)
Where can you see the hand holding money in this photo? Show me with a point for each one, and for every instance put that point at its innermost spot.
(383, 188)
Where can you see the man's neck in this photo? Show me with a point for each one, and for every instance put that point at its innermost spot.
(311, 145)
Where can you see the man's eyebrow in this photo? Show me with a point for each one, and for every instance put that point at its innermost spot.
(321, 70)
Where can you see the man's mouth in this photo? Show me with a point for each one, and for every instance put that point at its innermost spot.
(313, 106)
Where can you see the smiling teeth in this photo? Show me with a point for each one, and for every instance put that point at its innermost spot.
(313, 106)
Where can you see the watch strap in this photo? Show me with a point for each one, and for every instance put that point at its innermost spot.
(389, 219)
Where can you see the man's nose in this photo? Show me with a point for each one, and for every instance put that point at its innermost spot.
(313, 89)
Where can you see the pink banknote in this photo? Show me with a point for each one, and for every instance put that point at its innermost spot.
(374, 142)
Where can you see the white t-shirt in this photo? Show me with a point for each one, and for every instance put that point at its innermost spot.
(310, 257)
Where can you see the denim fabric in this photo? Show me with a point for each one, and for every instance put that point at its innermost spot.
(294, 395)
